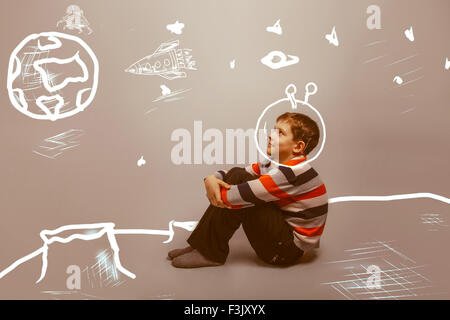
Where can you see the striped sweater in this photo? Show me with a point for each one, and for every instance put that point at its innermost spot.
(299, 192)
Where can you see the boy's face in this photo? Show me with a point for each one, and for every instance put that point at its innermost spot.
(281, 141)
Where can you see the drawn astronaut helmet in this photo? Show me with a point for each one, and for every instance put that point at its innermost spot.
(267, 120)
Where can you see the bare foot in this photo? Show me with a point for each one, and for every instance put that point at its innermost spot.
(178, 252)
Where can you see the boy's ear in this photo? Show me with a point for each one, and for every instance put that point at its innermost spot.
(299, 147)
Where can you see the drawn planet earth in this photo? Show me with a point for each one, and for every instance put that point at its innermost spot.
(52, 75)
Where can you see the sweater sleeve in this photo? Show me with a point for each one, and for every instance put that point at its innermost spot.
(253, 169)
(267, 188)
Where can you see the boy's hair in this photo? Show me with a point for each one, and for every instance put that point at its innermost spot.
(303, 128)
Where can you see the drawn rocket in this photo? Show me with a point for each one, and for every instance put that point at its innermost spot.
(167, 61)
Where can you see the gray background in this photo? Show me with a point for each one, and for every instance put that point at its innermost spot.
(381, 140)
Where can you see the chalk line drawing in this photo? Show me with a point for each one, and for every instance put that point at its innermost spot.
(152, 109)
(371, 44)
(75, 19)
(410, 81)
(447, 64)
(176, 28)
(59, 143)
(290, 91)
(166, 62)
(104, 272)
(402, 60)
(391, 197)
(398, 274)
(375, 59)
(107, 228)
(332, 37)
(412, 71)
(168, 95)
(433, 220)
(398, 80)
(33, 90)
(409, 34)
(232, 64)
(374, 43)
(407, 110)
(276, 28)
(72, 293)
(141, 161)
(282, 60)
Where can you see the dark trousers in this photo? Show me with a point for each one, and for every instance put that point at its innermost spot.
(266, 229)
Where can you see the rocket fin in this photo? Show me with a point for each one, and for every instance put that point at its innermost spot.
(173, 75)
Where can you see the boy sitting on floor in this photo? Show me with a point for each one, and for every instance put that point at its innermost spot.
(282, 209)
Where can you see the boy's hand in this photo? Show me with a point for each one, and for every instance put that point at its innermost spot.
(212, 186)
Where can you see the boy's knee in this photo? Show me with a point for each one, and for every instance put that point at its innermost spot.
(237, 175)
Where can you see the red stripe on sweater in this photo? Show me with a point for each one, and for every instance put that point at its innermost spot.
(310, 232)
(319, 191)
(255, 168)
(223, 194)
(294, 162)
(273, 188)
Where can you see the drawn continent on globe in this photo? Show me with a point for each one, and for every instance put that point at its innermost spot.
(52, 75)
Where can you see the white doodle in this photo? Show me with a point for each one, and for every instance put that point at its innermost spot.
(433, 220)
(59, 143)
(290, 97)
(332, 37)
(276, 28)
(447, 64)
(398, 80)
(165, 90)
(233, 64)
(280, 61)
(96, 231)
(391, 197)
(176, 28)
(141, 161)
(33, 89)
(75, 19)
(168, 95)
(409, 34)
(110, 231)
(104, 272)
(151, 110)
(394, 275)
(166, 62)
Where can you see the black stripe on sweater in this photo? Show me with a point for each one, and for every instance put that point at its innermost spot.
(248, 195)
(308, 213)
(300, 179)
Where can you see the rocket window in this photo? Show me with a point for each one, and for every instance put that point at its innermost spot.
(157, 64)
(166, 62)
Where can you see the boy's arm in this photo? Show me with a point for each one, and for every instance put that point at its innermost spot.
(253, 169)
(280, 185)
(258, 191)
(213, 189)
